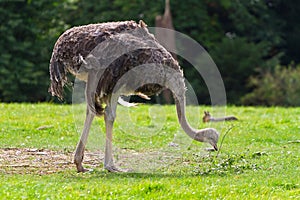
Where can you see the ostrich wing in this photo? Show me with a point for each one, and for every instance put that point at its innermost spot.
(74, 45)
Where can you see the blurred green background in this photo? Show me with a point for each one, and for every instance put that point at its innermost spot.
(253, 42)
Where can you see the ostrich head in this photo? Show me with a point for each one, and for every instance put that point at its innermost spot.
(208, 135)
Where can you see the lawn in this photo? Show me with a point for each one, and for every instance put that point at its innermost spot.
(259, 156)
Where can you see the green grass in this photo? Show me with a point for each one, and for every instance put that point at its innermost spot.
(259, 158)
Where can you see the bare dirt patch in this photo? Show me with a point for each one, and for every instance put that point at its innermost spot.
(45, 161)
(41, 161)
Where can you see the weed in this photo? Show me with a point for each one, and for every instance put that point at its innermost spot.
(226, 164)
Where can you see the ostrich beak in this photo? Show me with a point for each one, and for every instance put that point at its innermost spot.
(215, 147)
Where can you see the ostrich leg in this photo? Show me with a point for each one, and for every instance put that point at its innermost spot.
(109, 117)
(90, 114)
(81, 144)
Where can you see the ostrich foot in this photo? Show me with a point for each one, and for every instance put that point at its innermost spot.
(84, 170)
(115, 169)
(81, 169)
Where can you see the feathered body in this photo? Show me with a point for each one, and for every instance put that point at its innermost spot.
(73, 47)
(75, 43)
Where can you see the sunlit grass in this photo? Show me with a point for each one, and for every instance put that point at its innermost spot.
(259, 158)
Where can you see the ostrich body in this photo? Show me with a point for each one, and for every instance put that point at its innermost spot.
(118, 58)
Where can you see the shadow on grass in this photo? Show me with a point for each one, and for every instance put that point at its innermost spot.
(225, 165)
(103, 174)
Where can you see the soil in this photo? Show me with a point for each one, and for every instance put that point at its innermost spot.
(45, 161)
(42, 161)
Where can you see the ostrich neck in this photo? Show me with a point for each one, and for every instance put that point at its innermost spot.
(180, 106)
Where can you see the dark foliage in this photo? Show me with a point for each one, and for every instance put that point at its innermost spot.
(245, 38)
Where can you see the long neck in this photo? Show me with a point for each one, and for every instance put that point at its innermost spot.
(175, 82)
(180, 106)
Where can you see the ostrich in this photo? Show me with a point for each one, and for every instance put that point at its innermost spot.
(118, 58)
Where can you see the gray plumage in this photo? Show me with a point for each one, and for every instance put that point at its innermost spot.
(75, 43)
(73, 47)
